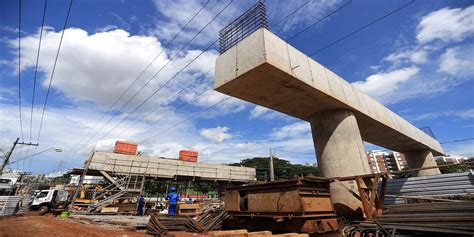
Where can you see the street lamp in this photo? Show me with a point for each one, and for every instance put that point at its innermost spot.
(50, 149)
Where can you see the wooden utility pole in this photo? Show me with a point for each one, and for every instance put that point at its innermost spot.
(272, 172)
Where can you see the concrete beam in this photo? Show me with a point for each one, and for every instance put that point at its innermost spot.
(265, 70)
(169, 168)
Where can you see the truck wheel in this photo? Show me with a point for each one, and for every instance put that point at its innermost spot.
(43, 210)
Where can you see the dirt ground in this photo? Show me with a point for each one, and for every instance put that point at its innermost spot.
(33, 225)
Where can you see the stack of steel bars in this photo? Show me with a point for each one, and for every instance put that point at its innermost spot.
(437, 217)
(212, 220)
(160, 223)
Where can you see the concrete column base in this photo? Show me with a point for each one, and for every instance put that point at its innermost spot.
(419, 159)
(338, 143)
(340, 152)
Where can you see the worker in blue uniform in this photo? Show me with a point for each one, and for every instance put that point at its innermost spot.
(173, 199)
(141, 204)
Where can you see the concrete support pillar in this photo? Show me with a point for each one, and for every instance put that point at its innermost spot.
(339, 147)
(340, 152)
(419, 159)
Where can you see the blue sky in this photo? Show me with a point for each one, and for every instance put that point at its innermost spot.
(419, 62)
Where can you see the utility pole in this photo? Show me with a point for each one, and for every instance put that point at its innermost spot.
(7, 157)
(272, 172)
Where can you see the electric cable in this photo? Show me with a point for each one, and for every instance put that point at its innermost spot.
(293, 12)
(54, 68)
(318, 21)
(186, 119)
(145, 69)
(154, 76)
(36, 68)
(19, 68)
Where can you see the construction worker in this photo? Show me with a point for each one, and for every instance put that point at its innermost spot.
(173, 199)
(141, 204)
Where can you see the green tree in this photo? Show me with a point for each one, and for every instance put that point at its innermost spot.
(455, 168)
(283, 168)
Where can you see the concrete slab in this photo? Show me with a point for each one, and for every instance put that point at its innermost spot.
(292, 83)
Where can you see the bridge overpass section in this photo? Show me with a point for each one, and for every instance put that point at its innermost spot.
(265, 70)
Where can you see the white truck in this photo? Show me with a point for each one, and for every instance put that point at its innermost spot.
(49, 200)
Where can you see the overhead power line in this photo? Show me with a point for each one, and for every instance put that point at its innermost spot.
(54, 68)
(154, 76)
(181, 105)
(318, 21)
(144, 70)
(156, 91)
(19, 68)
(362, 28)
(36, 68)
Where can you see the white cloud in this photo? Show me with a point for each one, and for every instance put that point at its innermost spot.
(460, 114)
(462, 149)
(298, 129)
(446, 25)
(258, 111)
(465, 114)
(458, 62)
(175, 14)
(217, 134)
(407, 56)
(99, 67)
(382, 86)
(309, 13)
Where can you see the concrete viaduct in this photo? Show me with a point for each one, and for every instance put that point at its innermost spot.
(265, 70)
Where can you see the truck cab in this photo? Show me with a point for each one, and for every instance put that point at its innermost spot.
(47, 200)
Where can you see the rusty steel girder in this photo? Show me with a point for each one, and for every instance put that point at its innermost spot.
(298, 205)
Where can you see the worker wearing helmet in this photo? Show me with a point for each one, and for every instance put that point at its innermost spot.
(173, 199)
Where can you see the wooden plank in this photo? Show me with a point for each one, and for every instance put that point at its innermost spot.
(381, 198)
(241, 232)
(109, 210)
(260, 233)
(373, 193)
(363, 197)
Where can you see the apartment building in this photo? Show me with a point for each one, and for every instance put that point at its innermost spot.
(383, 161)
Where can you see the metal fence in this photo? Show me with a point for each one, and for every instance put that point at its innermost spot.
(443, 185)
(250, 21)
